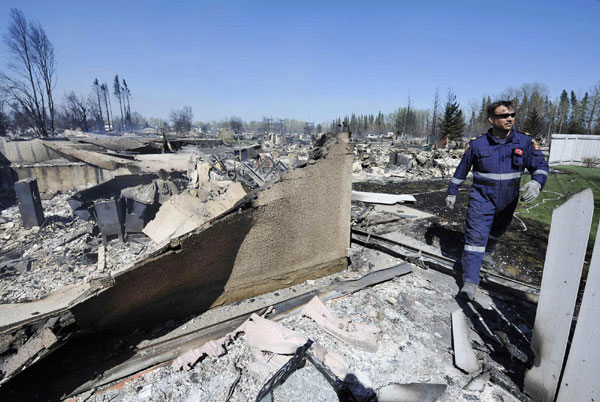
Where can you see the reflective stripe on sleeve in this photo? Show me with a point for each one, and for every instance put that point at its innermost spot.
(475, 249)
(540, 171)
(497, 176)
(456, 181)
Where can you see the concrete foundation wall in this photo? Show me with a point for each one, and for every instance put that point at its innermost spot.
(297, 229)
(53, 178)
(26, 152)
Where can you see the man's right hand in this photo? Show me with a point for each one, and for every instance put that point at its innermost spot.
(531, 191)
(450, 200)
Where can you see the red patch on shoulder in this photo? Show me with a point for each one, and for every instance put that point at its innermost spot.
(518, 151)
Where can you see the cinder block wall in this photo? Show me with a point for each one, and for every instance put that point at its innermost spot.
(297, 229)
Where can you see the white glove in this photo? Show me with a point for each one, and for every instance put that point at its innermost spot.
(450, 200)
(531, 189)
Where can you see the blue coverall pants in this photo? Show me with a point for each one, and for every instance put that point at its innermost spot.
(487, 220)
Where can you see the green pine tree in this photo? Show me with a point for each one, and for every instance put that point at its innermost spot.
(453, 122)
(563, 111)
(575, 119)
(582, 112)
(534, 124)
(379, 123)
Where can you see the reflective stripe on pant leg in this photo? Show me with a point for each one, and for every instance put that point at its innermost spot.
(475, 249)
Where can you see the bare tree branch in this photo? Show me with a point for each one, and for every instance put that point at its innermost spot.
(33, 68)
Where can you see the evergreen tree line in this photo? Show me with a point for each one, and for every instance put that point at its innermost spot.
(540, 116)
(537, 115)
(404, 120)
(408, 121)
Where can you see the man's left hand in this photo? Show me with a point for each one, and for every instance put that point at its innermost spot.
(532, 191)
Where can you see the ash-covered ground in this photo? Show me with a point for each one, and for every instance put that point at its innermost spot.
(63, 251)
(520, 254)
(412, 311)
(414, 346)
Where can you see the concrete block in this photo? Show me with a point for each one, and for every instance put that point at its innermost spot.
(103, 161)
(30, 203)
(184, 212)
(82, 201)
(137, 215)
(404, 160)
(66, 176)
(110, 219)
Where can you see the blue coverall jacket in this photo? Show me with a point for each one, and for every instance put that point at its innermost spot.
(497, 169)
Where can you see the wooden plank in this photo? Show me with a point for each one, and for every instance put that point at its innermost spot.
(580, 379)
(464, 355)
(567, 242)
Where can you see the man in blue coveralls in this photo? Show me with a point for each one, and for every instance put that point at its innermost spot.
(498, 158)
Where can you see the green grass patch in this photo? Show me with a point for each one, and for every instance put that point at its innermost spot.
(570, 180)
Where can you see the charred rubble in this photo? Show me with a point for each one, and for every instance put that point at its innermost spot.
(233, 263)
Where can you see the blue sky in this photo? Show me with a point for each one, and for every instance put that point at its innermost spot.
(315, 60)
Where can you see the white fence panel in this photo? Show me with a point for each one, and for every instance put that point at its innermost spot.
(580, 379)
(567, 243)
(571, 149)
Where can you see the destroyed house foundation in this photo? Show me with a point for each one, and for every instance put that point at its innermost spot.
(288, 231)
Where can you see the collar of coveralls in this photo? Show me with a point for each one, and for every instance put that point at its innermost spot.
(505, 140)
